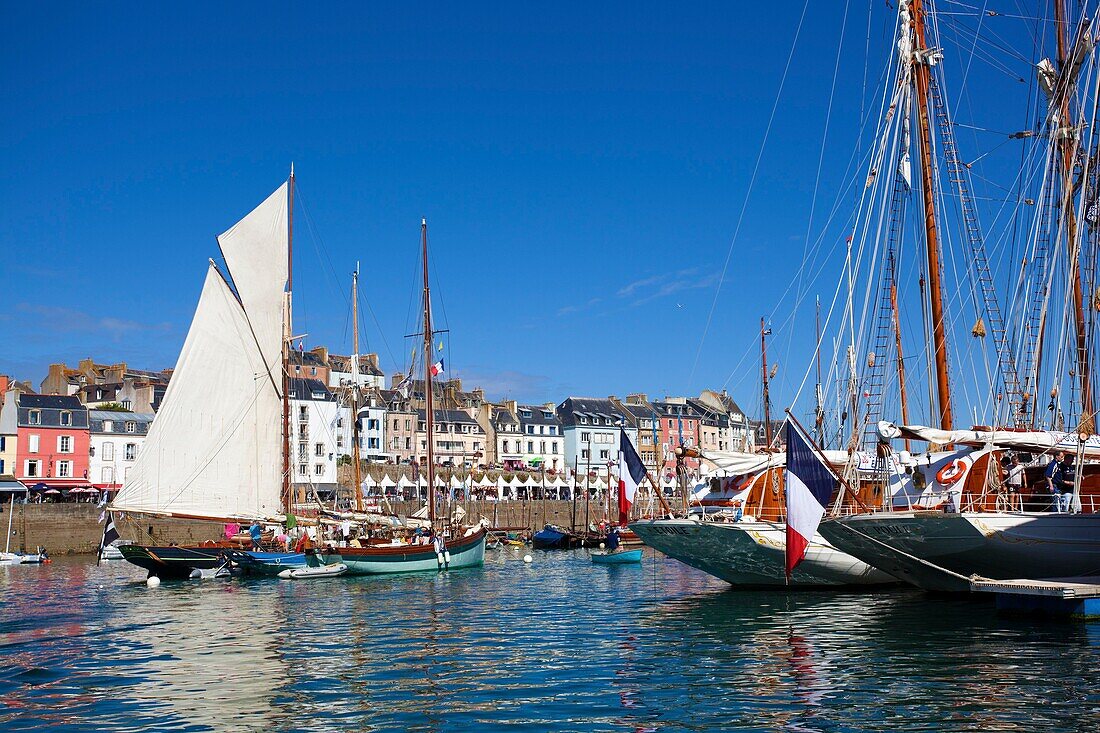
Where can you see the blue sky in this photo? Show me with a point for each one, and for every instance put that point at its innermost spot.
(582, 169)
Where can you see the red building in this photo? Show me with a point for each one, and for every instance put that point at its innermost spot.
(52, 441)
(678, 421)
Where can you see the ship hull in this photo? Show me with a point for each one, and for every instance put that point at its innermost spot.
(939, 551)
(173, 562)
(751, 554)
(465, 552)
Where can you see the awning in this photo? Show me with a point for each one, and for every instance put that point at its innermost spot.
(12, 486)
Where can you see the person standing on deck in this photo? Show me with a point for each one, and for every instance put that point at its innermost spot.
(1054, 477)
(1067, 478)
(255, 531)
(1014, 480)
(613, 539)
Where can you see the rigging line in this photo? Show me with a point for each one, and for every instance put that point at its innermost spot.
(821, 153)
(748, 190)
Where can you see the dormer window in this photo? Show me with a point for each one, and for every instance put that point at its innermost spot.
(34, 417)
(66, 418)
(584, 420)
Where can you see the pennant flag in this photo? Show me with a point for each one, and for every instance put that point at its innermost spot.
(403, 387)
(631, 473)
(110, 534)
(810, 483)
(301, 347)
(437, 368)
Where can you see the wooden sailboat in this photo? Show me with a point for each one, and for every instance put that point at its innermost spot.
(215, 451)
(456, 547)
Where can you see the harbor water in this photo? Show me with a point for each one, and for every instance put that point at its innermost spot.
(559, 644)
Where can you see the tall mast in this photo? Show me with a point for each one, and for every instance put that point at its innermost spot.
(287, 333)
(429, 412)
(764, 370)
(355, 388)
(1068, 146)
(897, 343)
(923, 76)
(819, 410)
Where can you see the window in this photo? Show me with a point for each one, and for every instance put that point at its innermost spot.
(505, 446)
(302, 469)
(33, 468)
(421, 426)
(530, 446)
(395, 425)
(408, 443)
(1, 466)
(303, 412)
(423, 445)
(127, 404)
(318, 469)
(130, 452)
(372, 424)
(64, 469)
(108, 451)
(554, 447)
(108, 475)
(552, 430)
(64, 444)
(3, 441)
(66, 418)
(408, 425)
(131, 427)
(303, 451)
(477, 446)
(586, 437)
(584, 420)
(603, 455)
(108, 426)
(542, 446)
(547, 414)
(372, 443)
(396, 443)
(32, 443)
(34, 417)
(318, 395)
(584, 454)
(339, 422)
(318, 449)
(313, 371)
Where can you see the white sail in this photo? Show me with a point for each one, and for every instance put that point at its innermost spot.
(255, 251)
(215, 448)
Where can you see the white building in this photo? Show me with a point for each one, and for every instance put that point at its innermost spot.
(372, 428)
(341, 371)
(115, 441)
(314, 429)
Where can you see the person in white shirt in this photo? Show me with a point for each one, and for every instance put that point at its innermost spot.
(1014, 480)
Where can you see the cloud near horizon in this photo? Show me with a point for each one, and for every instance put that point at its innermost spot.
(67, 320)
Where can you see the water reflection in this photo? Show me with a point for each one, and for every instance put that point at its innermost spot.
(558, 645)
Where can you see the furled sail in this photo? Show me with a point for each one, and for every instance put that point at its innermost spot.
(255, 251)
(215, 448)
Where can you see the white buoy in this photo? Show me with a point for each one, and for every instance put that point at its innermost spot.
(601, 546)
(153, 581)
(527, 558)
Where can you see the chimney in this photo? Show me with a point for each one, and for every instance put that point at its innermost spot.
(395, 379)
(638, 398)
(321, 352)
(479, 395)
(372, 359)
(512, 406)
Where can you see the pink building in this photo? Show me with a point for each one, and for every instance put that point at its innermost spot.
(52, 440)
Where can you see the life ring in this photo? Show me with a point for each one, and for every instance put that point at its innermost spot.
(951, 472)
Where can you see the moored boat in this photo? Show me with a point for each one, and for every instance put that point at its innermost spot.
(619, 557)
(462, 552)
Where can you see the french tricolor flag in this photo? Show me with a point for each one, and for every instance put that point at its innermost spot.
(437, 368)
(631, 473)
(810, 483)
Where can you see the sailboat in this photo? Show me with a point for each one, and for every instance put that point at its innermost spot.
(219, 448)
(941, 550)
(464, 547)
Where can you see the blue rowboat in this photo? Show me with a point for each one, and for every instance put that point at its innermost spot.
(617, 558)
(267, 563)
(551, 537)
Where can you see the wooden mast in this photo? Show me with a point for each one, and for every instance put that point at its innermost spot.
(923, 75)
(1068, 146)
(764, 370)
(429, 412)
(355, 388)
(287, 333)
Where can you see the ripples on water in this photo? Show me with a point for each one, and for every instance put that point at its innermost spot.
(558, 645)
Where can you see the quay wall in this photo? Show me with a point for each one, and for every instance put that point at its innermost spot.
(74, 528)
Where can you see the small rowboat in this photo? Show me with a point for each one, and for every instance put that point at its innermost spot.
(321, 571)
(617, 558)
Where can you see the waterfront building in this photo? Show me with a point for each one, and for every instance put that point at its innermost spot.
(591, 429)
(314, 427)
(9, 429)
(643, 417)
(97, 384)
(310, 364)
(372, 426)
(678, 425)
(341, 375)
(52, 440)
(523, 437)
(739, 433)
(458, 438)
(115, 440)
(400, 430)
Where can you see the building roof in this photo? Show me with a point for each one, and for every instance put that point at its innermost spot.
(50, 401)
(342, 364)
(537, 416)
(592, 409)
(455, 416)
(305, 389)
(306, 358)
(118, 421)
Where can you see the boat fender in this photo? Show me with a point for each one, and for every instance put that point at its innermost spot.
(447, 557)
(196, 574)
(153, 581)
(527, 558)
(287, 574)
(952, 472)
(439, 557)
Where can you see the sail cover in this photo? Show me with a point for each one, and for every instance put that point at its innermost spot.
(215, 448)
(255, 251)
